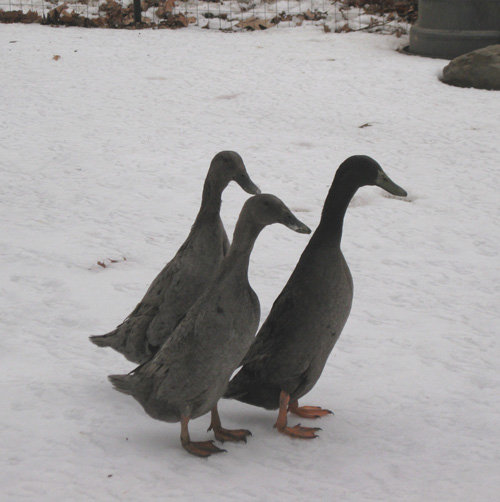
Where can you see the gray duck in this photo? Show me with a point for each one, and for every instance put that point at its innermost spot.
(292, 346)
(190, 372)
(182, 280)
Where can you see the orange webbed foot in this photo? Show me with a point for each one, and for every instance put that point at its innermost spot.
(297, 431)
(201, 448)
(222, 434)
(309, 411)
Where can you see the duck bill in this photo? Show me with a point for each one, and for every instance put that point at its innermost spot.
(295, 224)
(383, 181)
(248, 185)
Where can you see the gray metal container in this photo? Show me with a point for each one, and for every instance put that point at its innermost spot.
(448, 28)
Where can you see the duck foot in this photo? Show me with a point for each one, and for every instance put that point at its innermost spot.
(197, 448)
(222, 434)
(297, 431)
(308, 411)
(201, 448)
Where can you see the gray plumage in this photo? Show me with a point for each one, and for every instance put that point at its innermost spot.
(179, 284)
(190, 372)
(306, 320)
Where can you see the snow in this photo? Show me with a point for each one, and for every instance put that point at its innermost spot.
(103, 156)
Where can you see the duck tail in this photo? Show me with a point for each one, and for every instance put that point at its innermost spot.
(122, 383)
(100, 340)
(117, 340)
(247, 389)
(109, 340)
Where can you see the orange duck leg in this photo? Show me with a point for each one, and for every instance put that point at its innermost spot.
(197, 448)
(296, 431)
(222, 434)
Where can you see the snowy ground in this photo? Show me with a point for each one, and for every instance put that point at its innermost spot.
(103, 154)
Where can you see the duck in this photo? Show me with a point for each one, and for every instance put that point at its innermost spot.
(292, 346)
(189, 374)
(183, 279)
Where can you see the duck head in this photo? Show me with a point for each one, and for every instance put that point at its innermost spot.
(228, 166)
(266, 209)
(361, 170)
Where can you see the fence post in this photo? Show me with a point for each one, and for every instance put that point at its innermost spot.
(137, 11)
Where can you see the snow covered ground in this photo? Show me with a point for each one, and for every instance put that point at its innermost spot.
(103, 154)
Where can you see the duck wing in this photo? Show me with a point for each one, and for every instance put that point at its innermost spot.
(274, 330)
(254, 383)
(130, 337)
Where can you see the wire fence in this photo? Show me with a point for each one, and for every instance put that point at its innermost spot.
(385, 16)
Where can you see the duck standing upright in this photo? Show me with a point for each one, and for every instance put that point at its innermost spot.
(183, 279)
(293, 345)
(190, 372)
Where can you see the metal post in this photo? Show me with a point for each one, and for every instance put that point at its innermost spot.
(137, 11)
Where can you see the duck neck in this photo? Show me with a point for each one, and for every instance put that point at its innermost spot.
(244, 237)
(332, 217)
(212, 198)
